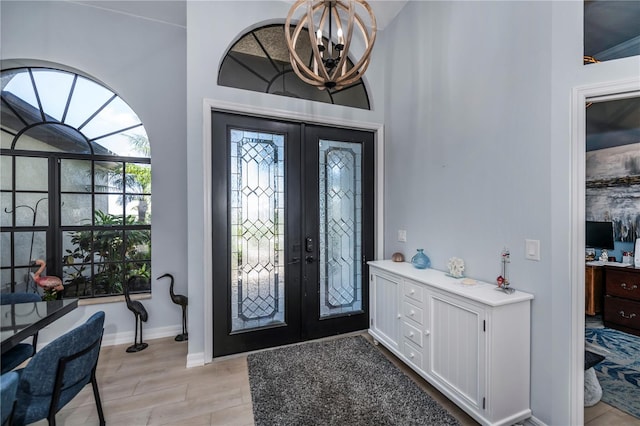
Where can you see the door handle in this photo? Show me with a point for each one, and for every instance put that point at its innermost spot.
(309, 259)
(294, 261)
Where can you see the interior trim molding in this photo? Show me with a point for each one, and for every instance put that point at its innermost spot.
(580, 95)
(209, 105)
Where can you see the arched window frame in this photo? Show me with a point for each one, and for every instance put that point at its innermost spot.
(92, 159)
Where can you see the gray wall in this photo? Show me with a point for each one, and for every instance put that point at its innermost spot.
(478, 154)
(144, 61)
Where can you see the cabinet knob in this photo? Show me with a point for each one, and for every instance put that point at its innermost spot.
(628, 287)
(412, 291)
(412, 313)
(411, 334)
(399, 316)
(412, 355)
(427, 332)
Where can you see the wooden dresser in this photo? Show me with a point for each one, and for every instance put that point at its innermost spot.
(622, 299)
(594, 289)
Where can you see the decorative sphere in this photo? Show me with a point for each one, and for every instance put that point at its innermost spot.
(397, 257)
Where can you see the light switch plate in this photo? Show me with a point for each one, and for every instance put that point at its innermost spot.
(402, 235)
(532, 249)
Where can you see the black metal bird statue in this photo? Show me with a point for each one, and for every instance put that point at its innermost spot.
(140, 313)
(183, 301)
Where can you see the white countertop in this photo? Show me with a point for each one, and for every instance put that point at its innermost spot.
(482, 292)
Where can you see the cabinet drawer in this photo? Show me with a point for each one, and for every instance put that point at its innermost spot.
(413, 291)
(413, 354)
(623, 283)
(412, 333)
(409, 310)
(622, 312)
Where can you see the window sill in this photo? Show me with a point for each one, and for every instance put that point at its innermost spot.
(112, 299)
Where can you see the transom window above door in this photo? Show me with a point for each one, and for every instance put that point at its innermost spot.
(259, 61)
(75, 185)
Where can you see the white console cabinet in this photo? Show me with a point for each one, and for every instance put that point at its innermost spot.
(469, 341)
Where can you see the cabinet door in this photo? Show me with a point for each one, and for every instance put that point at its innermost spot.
(385, 315)
(456, 347)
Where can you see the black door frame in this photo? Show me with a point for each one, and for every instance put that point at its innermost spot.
(297, 329)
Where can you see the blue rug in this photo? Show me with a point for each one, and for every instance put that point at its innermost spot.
(619, 373)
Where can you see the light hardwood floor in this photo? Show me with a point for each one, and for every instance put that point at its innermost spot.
(153, 387)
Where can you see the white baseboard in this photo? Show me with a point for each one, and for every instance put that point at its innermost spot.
(195, 360)
(534, 421)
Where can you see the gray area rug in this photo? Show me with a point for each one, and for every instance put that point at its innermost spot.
(344, 381)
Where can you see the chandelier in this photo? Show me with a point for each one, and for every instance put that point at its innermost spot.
(330, 24)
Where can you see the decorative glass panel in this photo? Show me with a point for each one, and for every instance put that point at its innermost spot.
(32, 209)
(75, 209)
(32, 174)
(75, 175)
(340, 228)
(257, 234)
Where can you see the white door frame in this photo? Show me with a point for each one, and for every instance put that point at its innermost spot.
(580, 95)
(212, 104)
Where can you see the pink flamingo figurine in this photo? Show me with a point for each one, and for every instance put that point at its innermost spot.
(49, 283)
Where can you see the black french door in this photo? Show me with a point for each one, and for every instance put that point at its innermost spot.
(293, 213)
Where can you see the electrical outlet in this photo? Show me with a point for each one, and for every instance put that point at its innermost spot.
(402, 235)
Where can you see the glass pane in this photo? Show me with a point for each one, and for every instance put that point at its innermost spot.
(109, 176)
(75, 175)
(5, 280)
(108, 278)
(87, 98)
(142, 270)
(19, 84)
(23, 281)
(138, 178)
(32, 174)
(108, 209)
(132, 143)
(6, 209)
(75, 209)
(139, 209)
(31, 209)
(257, 241)
(53, 138)
(76, 246)
(5, 248)
(6, 139)
(77, 280)
(29, 246)
(108, 246)
(53, 88)
(114, 117)
(138, 245)
(340, 228)
(6, 172)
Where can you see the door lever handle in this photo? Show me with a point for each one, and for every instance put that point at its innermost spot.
(294, 260)
(309, 259)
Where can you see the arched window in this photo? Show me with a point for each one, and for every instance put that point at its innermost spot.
(75, 187)
(259, 61)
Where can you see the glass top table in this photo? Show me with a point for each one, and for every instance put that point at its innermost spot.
(22, 320)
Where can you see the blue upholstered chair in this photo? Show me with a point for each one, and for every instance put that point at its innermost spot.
(58, 372)
(8, 388)
(22, 351)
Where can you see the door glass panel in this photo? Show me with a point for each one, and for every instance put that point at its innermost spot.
(340, 189)
(32, 174)
(257, 229)
(75, 175)
(32, 209)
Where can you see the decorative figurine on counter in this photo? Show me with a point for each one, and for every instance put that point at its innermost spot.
(421, 260)
(140, 313)
(49, 283)
(183, 301)
(502, 280)
(456, 267)
(397, 257)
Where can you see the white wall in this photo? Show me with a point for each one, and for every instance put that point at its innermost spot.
(478, 154)
(143, 61)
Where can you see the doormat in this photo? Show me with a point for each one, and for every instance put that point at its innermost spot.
(343, 381)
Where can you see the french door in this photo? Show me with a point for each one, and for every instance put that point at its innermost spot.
(293, 214)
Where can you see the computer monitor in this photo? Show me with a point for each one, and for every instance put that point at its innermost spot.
(599, 235)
